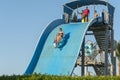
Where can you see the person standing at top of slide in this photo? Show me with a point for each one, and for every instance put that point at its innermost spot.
(86, 14)
(95, 14)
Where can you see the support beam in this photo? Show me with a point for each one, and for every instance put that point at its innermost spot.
(112, 44)
(106, 53)
(86, 70)
(89, 34)
(114, 63)
(83, 58)
(113, 54)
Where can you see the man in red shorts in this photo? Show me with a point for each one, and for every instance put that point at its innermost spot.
(86, 13)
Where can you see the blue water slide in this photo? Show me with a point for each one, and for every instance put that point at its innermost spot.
(61, 60)
(47, 30)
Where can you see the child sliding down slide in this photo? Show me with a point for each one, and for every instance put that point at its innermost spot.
(57, 40)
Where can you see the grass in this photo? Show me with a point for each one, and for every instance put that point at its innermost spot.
(50, 77)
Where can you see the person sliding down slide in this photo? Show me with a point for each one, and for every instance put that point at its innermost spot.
(61, 32)
(57, 40)
(58, 37)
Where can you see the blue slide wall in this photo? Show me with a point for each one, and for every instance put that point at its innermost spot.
(41, 43)
(61, 60)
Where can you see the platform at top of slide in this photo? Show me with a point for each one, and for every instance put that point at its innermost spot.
(61, 60)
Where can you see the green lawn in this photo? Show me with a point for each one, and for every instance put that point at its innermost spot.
(47, 77)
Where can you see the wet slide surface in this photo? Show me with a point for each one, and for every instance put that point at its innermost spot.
(61, 60)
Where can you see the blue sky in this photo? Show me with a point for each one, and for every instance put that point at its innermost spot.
(21, 23)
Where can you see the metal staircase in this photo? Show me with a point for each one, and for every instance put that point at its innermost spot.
(103, 38)
(100, 69)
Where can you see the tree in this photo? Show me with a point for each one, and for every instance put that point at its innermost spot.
(118, 55)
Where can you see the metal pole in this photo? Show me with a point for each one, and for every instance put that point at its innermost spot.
(86, 70)
(106, 53)
(114, 63)
(113, 54)
(112, 44)
(83, 58)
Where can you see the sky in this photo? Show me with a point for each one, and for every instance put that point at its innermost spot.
(21, 23)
